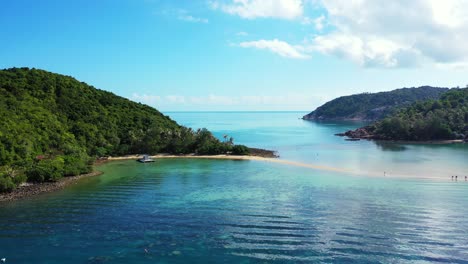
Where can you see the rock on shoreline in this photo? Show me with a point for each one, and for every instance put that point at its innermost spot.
(38, 188)
(264, 153)
(367, 132)
(360, 133)
(32, 189)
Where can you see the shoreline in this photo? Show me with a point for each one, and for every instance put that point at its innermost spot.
(189, 156)
(373, 174)
(33, 189)
(414, 142)
(423, 142)
(409, 142)
(40, 188)
(235, 157)
(366, 133)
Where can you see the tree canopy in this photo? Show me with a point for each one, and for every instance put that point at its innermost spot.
(442, 119)
(52, 125)
(373, 106)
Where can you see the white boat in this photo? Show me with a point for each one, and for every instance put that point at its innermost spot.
(145, 159)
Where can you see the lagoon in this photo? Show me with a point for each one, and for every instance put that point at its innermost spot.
(212, 211)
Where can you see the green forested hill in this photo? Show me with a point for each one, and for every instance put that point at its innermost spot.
(442, 119)
(53, 125)
(372, 106)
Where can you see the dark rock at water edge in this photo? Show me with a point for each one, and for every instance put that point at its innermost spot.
(263, 153)
(361, 133)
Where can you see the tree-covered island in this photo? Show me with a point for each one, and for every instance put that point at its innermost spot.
(445, 118)
(373, 106)
(53, 126)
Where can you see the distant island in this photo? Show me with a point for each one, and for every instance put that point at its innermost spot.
(53, 126)
(441, 119)
(372, 106)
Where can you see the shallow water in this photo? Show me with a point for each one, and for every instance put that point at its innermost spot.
(314, 143)
(222, 211)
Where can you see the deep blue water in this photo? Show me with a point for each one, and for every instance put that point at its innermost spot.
(221, 211)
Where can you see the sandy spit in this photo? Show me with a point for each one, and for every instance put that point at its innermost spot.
(35, 189)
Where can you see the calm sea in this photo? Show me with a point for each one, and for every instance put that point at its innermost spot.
(315, 143)
(221, 211)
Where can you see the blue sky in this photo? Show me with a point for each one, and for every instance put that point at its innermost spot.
(230, 55)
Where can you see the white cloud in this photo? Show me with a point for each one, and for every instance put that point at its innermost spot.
(242, 34)
(193, 19)
(371, 33)
(318, 22)
(211, 100)
(450, 13)
(184, 16)
(248, 102)
(369, 52)
(175, 99)
(250, 9)
(279, 47)
(145, 98)
(396, 33)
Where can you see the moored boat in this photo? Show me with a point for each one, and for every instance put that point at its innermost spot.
(145, 159)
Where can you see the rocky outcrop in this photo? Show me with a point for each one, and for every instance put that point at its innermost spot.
(264, 153)
(27, 190)
(366, 132)
(361, 133)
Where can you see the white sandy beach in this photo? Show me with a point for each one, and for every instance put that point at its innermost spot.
(284, 162)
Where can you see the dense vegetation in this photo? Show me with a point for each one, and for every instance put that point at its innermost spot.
(375, 106)
(53, 126)
(442, 119)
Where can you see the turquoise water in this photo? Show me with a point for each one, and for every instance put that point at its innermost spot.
(315, 143)
(221, 211)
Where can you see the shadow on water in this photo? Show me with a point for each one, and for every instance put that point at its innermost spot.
(388, 146)
(345, 123)
(393, 146)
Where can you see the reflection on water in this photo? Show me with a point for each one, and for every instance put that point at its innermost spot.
(388, 146)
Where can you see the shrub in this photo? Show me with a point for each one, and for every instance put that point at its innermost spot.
(240, 150)
(19, 179)
(46, 170)
(213, 148)
(35, 174)
(6, 184)
(75, 164)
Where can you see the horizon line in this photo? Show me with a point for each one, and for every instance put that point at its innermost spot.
(234, 111)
